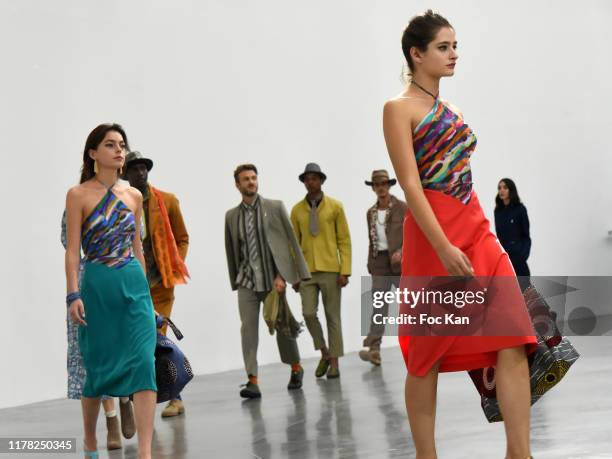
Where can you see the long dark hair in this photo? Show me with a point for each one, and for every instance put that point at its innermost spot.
(94, 139)
(421, 31)
(514, 197)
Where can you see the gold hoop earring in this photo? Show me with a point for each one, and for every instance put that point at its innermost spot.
(95, 166)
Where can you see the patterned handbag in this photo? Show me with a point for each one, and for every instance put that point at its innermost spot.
(553, 357)
(172, 369)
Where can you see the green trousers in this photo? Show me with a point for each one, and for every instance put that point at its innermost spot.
(327, 285)
(249, 303)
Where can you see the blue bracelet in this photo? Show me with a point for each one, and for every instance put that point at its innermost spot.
(72, 297)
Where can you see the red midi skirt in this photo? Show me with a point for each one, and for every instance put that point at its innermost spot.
(466, 227)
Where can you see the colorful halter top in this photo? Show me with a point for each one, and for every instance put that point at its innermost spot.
(108, 232)
(443, 144)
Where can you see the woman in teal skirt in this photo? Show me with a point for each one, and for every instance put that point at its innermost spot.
(113, 306)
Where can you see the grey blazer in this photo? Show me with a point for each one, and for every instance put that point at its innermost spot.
(283, 245)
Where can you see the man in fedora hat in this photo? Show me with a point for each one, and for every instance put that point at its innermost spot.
(323, 233)
(164, 244)
(262, 255)
(385, 232)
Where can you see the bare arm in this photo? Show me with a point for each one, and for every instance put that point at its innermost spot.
(73, 244)
(398, 137)
(74, 220)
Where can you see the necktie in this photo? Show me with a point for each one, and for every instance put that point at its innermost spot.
(314, 218)
(251, 236)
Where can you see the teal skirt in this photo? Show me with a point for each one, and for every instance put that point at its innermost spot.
(118, 342)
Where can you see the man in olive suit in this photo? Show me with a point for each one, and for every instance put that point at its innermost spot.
(262, 254)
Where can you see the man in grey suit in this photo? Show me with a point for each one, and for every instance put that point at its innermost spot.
(262, 254)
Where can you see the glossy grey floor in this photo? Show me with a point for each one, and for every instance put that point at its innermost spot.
(359, 416)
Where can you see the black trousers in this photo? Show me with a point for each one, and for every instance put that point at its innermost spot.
(522, 271)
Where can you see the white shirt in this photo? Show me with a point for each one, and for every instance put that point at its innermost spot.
(382, 244)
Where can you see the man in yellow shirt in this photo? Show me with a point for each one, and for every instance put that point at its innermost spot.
(323, 234)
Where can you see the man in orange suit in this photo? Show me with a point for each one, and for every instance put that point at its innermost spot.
(165, 242)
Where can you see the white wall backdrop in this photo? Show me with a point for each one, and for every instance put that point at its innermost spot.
(201, 86)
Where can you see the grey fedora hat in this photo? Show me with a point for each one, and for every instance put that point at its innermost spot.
(312, 168)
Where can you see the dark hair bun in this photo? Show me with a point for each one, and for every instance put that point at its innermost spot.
(421, 31)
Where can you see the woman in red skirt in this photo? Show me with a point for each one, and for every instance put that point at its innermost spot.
(447, 234)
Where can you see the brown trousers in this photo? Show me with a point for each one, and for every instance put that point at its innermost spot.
(163, 300)
(382, 280)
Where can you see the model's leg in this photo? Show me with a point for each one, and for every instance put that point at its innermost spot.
(91, 409)
(128, 425)
(290, 355)
(144, 411)
(522, 272)
(331, 294)
(248, 307)
(514, 397)
(163, 300)
(379, 284)
(108, 404)
(288, 349)
(421, 407)
(309, 292)
(382, 281)
(113, 435)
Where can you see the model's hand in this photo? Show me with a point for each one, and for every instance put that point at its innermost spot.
(279, 284)
(343, 280)
(396, 257)
(456, 262)
(296, 286)
(77, 312)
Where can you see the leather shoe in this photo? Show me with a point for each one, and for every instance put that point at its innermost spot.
(250, 390)
(333, 373)
(173, 408)
(295, 382)
(322, 368)
(113, 437)
(128, 427)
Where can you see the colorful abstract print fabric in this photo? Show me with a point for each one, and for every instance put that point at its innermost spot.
(443, 144)
(108, 232)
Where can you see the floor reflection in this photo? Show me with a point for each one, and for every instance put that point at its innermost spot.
(259, 442)
(393, 416)
(360, 416)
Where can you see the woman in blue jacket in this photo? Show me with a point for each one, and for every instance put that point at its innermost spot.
(512, 226)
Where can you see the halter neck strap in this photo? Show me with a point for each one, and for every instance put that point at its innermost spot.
(108, 188)
(425, 90)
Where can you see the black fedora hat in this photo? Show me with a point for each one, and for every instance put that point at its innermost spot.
(312, 168)
(135, 157)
